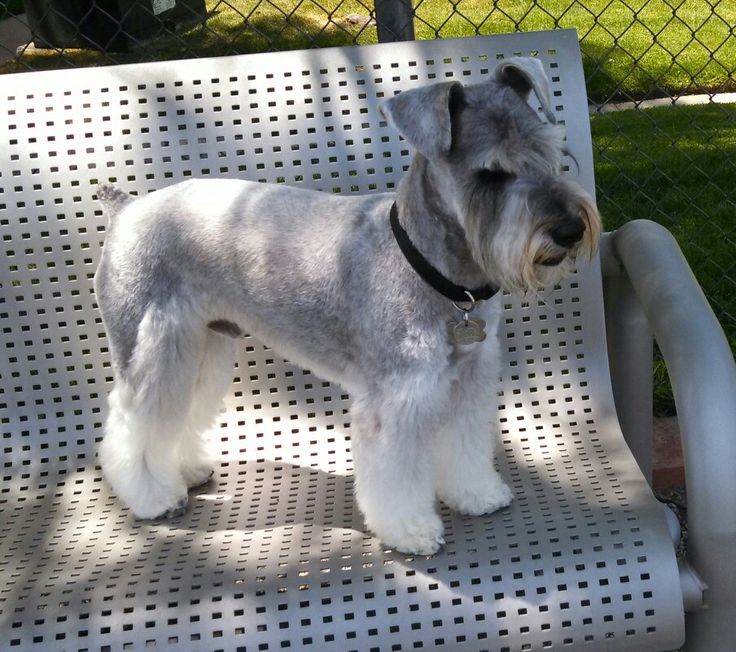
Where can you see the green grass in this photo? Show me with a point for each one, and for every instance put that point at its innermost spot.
(631, 48)
(677, 166)
(230, 27)
(634, 48)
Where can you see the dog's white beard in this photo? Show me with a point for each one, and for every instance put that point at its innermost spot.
(512, 257)
(535, 276)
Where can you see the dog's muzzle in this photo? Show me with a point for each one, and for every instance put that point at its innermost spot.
(568, 233)
(565, 235)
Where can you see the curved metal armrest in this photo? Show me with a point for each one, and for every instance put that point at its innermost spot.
(703, 375)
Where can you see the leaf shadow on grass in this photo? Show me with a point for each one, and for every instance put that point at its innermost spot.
(613, 75)
(618, 67)
(269, 32)
(222, 33)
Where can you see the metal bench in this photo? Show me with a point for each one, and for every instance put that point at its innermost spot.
(273, 555)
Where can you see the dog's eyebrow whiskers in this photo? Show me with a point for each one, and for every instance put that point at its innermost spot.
(494, 175)
(225, 327)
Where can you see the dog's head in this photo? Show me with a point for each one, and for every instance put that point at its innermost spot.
(495, 164)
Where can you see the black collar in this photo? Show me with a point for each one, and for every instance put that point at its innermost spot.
(428, 273)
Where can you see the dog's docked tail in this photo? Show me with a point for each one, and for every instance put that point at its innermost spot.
(113, 200)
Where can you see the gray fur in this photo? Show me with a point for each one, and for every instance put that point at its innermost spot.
(113, 199)
(524, 75)
(320, 278)
(423, 117)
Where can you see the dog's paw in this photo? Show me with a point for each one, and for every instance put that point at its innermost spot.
(177, 510)
(154, 500)
(196, 477)
(148, 498)
(481, 495)
(413, 535)
(160, 510)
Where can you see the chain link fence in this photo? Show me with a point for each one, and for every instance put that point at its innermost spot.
(660, 77)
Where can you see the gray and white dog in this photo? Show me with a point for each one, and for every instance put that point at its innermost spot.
(335, 285)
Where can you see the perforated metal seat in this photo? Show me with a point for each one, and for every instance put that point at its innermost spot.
(273, 555)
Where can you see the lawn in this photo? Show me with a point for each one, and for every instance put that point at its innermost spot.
(676, 165)
(631, 48)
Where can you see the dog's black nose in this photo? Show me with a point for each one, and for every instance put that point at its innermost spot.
(567, 233)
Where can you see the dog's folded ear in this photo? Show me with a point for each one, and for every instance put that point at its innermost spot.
(526, 74)
(423, 116)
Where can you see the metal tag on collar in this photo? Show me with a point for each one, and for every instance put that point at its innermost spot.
(466, 331)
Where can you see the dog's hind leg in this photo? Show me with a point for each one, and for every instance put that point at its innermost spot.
(214, 377)
(149, 407)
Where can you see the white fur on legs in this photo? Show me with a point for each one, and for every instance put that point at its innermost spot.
(141, 469)
(196, 462)
(395, 492)
(465, 477)
(215, 376)
(140, 452)
(392, 452)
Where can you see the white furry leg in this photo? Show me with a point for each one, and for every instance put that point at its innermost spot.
(393, 470)
(138, 456)
(197, 464)
(394, 491)
(215, 376)
(466, 479)
(140, 452)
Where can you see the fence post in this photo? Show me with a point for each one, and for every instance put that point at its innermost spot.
(394, 20)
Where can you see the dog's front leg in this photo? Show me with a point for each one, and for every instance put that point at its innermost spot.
(465, 477)
(392, 452)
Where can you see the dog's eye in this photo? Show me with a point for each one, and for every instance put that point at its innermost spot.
(495, 177)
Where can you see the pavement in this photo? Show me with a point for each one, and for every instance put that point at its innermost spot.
(668, 467)
(679, 100)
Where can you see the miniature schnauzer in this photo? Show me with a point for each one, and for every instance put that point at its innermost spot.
(389, 295)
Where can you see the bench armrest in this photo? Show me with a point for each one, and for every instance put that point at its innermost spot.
(703, 374)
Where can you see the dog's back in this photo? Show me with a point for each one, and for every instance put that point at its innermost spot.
(241, 252)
